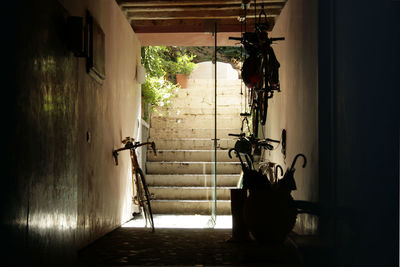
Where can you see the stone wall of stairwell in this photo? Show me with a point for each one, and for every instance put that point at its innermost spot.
(180, 176)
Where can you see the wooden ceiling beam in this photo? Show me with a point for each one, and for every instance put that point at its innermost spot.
(198, 8)
(166, 26)
(196, 14)
(154, 3)
(187, 39)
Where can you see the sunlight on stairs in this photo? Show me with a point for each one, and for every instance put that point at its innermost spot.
(180, 176)
(183, 221)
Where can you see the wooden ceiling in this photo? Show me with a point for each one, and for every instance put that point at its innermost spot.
(186, 22)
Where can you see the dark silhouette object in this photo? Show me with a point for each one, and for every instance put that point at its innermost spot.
(269, 210)
(269, 215)
(260, 71)
(239, 228)
(250, 72)
(288, 182)
(252, 179)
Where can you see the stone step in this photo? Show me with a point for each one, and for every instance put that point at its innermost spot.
(192, 180)
(189, 193)
(222, 110)
(196, 121)
(190, 207)
(192, 167)
(205, 102)
(191, 143)
(157, 133)
(190, 155)
(201, 91)
(197, 117)
(209, 83)
(180, 176)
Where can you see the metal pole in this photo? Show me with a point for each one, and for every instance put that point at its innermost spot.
(215, 118)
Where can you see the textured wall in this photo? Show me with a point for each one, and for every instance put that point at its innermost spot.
(110, 114)
(296, 107)
(62, 192)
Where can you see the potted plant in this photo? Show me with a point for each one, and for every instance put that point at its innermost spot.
(170, 67)
(184, 66)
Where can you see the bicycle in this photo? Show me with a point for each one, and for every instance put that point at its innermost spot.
(142, 197)
(251, 146)
(260, 70)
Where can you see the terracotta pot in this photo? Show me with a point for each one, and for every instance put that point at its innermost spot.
(182, 80)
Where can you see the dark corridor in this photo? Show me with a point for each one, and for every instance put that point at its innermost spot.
(47, 111)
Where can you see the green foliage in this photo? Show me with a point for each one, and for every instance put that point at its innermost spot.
(185, 64)
(158, 62)
(231, 53)
(178, 62)
(158, 92)
(226, 54)
(153, 60)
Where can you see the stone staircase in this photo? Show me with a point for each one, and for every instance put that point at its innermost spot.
(180, 176)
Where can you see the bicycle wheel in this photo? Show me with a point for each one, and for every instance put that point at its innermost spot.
(254, 120)
(251, 97)
(263, 101)
(144, 198)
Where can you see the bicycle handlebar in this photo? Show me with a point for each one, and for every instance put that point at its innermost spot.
(237, 135)
(128, 144)
(272, 140)
(271, 39)
(277, 39)
(152, 144)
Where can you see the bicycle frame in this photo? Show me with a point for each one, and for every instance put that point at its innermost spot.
(142, 197)
(260, 69)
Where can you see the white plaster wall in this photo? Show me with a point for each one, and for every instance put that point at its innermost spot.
(295, 108)
(110, 112)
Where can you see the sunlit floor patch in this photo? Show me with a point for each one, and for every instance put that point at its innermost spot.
(183, 221)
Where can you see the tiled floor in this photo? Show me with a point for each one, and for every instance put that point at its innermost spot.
(133, 245)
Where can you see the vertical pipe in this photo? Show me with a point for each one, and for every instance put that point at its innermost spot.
(215, 118)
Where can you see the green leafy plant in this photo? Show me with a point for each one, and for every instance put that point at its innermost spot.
(160, 61)
(185, 64)
(158, 92)
(153, 60)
